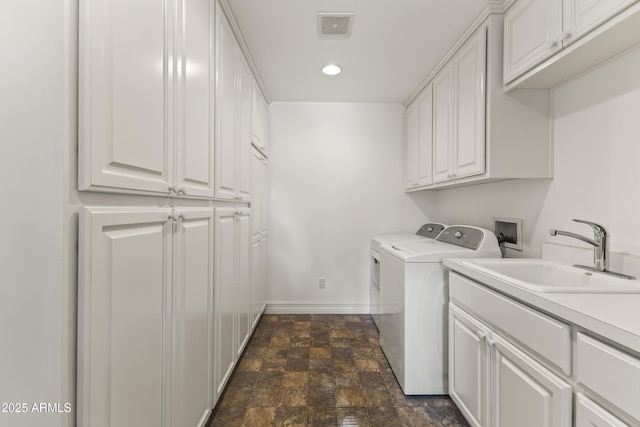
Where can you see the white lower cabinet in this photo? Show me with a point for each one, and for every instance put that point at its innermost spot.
(589, 414)
(523, 392)
(145, 312)
(496, 384)
(469, 359)
(232, 291)
(258, 279)
(504, 371)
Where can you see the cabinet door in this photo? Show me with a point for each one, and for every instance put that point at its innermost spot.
(258, 278)
(124, 327)
(224, 296)
(469, 366)
(243, 282)
(260, 121)
(524, 393)
(194, 98)
(192, 385)
(581, 16)
(412, 143)
(531, 34)
(258, 193)
(469, 140)
(125, 89)
(425, 144)
(225, 112)
(443, 109)
(244, 129)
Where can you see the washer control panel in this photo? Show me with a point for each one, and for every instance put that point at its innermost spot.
(430, 230)
(460, 235)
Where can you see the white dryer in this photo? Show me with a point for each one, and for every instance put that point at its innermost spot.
(429, 231)
(413, 303)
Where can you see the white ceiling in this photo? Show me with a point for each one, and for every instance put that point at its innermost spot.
(393, 46)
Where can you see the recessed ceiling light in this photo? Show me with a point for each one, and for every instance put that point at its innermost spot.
(331, 70)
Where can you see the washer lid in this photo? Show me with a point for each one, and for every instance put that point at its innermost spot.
(426, 251)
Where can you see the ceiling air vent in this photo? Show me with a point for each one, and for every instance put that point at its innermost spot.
(335, 25)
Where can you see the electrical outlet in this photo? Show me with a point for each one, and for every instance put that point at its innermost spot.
(322, 283)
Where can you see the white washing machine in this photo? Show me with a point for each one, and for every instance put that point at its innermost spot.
(413, 303)
(429, 231)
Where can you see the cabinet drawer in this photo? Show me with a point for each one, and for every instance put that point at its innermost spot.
(609, 372)
(589, 414)
(545, 335)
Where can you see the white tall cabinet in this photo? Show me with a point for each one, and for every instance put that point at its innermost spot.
(232, 290)
(259, 239)
(166, 304)
(232, 116)
(145, 97)
(145, 316)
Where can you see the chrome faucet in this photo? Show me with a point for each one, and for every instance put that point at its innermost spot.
(600, 245)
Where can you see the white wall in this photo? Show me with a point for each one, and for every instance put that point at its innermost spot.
(597, 167)
(34, 136)
(336, 179)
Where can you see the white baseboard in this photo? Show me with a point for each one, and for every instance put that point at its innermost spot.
(307, 307)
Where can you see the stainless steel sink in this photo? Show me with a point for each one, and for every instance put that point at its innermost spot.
(548, 276)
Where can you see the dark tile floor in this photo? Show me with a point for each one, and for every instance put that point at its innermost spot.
(322, 370)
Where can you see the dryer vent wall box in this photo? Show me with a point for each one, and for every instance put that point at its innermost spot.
(509, 232)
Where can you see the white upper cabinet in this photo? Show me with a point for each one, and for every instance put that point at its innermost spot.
(244, 129)
(443, 115)
(194, 98)
(419, 139)
(548, 41)
(470, 84)
(146, 97)
(260, 121)
(125, 96)
(531, 34)
(225, 124)
(479, 132)
(581, 16)
(232, 116)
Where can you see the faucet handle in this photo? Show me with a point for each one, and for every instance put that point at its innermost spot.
(598, 230)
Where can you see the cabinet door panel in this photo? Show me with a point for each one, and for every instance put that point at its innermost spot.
(525, 393)
(192, 385)
(123, 329)
(425, 144)
(244, 129)
(443, 108)
(412, 142)
(225, 112)
(194, 100)
(243, 284)
(470, 65)
(468, 366)
(581, 16)
(224, 296)
(531, 34)
(125, 135)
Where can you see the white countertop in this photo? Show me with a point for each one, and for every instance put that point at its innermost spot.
(614, 316)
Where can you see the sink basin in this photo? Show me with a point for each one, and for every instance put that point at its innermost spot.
(548, 276)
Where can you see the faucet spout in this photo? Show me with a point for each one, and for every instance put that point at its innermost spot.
(599, 243)
(592, 242)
